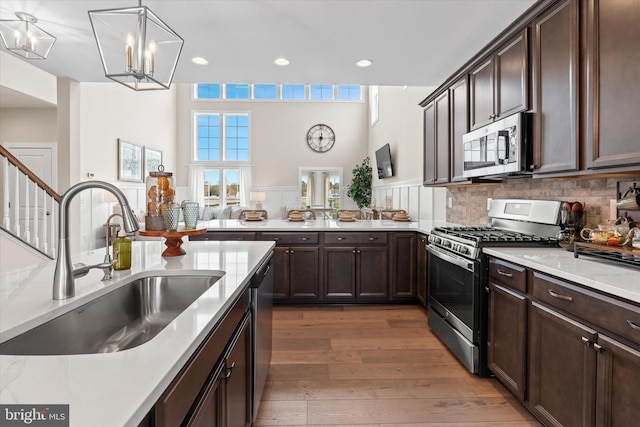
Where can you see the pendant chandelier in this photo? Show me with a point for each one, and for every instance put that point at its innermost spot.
(136, 47)
(23, 37)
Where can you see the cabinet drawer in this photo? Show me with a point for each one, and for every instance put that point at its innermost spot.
(175, 402)
(355, 238)
(218, 235)
(291, 238)
(510, 275)
(604, 312)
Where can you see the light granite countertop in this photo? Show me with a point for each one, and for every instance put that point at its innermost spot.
(423, 226)
(604, 276)
(117, 389)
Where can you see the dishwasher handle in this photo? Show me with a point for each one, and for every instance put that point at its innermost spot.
(262, 272)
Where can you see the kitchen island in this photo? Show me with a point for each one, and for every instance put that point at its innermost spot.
(117, 389)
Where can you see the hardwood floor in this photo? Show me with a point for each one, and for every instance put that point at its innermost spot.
(372, 366)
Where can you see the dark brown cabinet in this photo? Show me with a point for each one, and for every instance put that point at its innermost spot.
(570, 354)
(459, 124)
(213, 389)
(436, 141)
(356, 266)
(421, 275)
(296, 262)
(618, 383)
(429, 145)
(499, 85)
(562, 368)
(612, 83)
(403, 263)
(555, 89)
(507, 327)
(224, 235)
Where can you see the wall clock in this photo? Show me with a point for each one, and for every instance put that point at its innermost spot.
(321, 138)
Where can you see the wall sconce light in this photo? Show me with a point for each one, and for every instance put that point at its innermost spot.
(136, 47)
(258, 197)
(23, 37)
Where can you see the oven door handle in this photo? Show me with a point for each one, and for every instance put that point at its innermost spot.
(460, 262)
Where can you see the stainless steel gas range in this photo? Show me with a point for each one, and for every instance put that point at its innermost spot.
(458, 272)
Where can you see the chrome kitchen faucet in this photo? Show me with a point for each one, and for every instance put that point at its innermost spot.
(63, 279)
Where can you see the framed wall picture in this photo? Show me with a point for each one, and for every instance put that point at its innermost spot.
(129, 161)
(152, 158)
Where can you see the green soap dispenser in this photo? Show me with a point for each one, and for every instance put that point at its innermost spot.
(122, 252)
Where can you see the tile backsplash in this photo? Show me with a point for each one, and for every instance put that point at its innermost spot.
(469, 202)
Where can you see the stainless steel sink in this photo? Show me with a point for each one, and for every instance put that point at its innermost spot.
(125, 318)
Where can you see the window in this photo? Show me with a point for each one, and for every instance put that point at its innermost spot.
(227, 143)
(293, 92)
(221, 178)
(236, 91)
(236, 137)
(349, 92)
(321, 92)
(208, 137)
(208, 91)
(265, 91)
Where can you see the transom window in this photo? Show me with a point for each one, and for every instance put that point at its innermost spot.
(273, 92)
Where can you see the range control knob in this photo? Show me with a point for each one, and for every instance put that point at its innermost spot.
(463, 250)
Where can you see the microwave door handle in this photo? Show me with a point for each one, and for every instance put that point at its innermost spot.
(503, 147)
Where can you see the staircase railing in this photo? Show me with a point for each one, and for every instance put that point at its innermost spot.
(29, 205)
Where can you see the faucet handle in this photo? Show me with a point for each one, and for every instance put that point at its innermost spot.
(81, 269)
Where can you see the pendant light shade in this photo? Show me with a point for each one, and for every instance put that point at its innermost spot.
(23, 37)
(136, 47)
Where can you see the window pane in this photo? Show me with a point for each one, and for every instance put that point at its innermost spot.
(232, 186)
(212, 188)
(236, 137)
(321, 92)
(264, 91)
(208, 137)
(349, 92)
(208, 91)
(236, 91)
(292, 91)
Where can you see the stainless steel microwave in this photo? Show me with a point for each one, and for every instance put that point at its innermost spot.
(500, 149)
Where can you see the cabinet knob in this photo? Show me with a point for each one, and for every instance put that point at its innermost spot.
(304, 239)
(598, 348)
(291, 252)
(585, 341)
(354, 251)
(373, 238)
(229, 371)
(340, 238)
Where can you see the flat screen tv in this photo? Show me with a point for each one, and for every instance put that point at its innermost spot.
(383, 162)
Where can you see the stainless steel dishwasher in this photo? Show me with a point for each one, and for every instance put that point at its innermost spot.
(261, 310)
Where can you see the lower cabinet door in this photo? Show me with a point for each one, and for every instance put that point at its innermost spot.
(507, 357)
(304, 272)
(339, 272)
(373, 272)
(618, 384)
(562, 369)
(237, 376)
(208, 412)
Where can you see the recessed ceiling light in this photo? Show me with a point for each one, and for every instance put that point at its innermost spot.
(283, 62)
(364, 63)
(200, 61)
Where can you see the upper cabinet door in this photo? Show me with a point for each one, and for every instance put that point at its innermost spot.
(442, 138)
(429, 162)
(555, 49)
(459, 119)
(512, 81)
(482, 94)
(499, 85)
(612, 80)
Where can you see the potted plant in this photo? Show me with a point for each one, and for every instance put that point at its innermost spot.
(360, 189)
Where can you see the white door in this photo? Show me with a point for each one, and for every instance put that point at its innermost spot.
(41, 159)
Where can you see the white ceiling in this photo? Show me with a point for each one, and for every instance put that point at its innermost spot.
(411, 42)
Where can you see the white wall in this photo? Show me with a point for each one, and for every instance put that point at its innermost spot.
(400, 123)
(28, 125)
